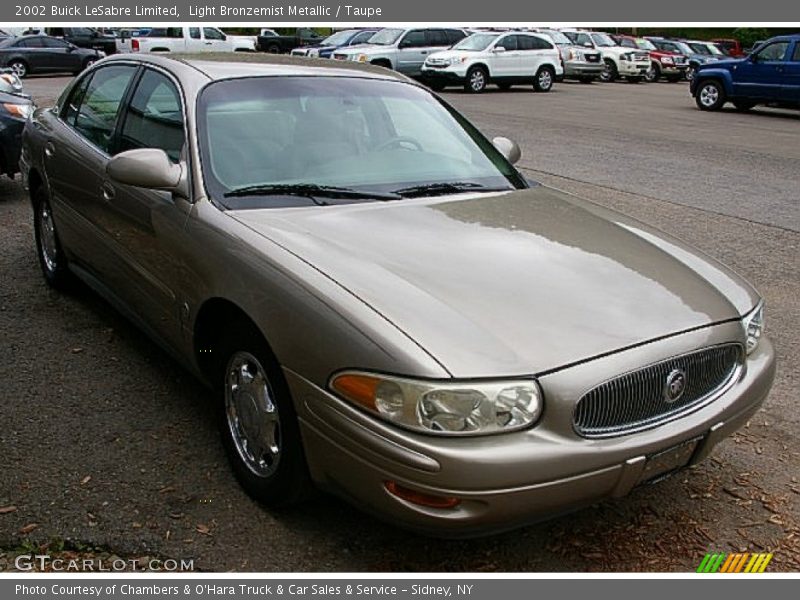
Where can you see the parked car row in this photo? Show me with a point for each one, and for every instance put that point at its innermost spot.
(44, 54)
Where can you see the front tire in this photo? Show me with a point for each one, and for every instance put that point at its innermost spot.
(48, 247)
(19, 68)
(654, 74)
(477, 80)
(543, 82)
(710, 95)
(609, 73)
(258, 422)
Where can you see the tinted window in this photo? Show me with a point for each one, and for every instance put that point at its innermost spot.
(436, 37)
(69, 109)
(212, 34)
(509, 42)
(414, 39)
(32, 42)
(54, 43)
(194, 33)
(98, 109)
(154, 118)
(537, 43)
(582, 38)
(796, 57)
(362, 37)
(774, 51)
(455, 35)
(627, 43)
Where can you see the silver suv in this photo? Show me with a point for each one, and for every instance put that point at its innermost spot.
(581, 63)
(403, 50)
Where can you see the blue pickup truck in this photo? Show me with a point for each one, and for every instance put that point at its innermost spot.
(770, 75)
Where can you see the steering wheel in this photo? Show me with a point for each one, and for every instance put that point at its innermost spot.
(397, 141)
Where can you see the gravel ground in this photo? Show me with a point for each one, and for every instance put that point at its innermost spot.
(109, 448)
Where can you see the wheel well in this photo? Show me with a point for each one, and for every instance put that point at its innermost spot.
(480, 66)
(214, 318)
(382, 62)
(35, 181)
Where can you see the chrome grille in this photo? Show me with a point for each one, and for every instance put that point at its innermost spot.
(636, 400)
(592, 58)
(641, 56)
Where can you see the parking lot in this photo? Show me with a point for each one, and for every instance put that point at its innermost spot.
(108, 444)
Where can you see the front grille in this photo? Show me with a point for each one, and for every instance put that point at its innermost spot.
(680, 60)
(638, 400)
(593, 58)
(641, 56)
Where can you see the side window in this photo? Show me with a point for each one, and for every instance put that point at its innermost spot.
(54, 43)
(538, 43)
(414, 39)
(454, 35)
(69, 109)
(509, 42)
(154, 118)
(796, 57)
(212, 34)
(194, 33)
(436, 37)
(33, 42)
(773, 52)
(582, 39)
(97, 112)
(361, 37)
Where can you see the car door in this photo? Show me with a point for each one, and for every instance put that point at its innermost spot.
(790, 88)
(75, 157)
(195, 42)
(61, 55)
(32, 51)
(761, 75)
(505, 58)
(145, 225)
(215, 41)
(411, 52)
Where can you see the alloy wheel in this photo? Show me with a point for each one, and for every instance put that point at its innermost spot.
(47, 238)
(709, 95)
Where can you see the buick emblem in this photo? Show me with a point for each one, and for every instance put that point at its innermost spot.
(675, 386)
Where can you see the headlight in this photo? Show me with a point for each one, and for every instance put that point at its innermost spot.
(753, 324)
(444, 408)
(21, 111)
(667, 60)
(457, 60)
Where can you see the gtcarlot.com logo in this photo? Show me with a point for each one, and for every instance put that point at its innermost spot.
(45, 562)
(737, 562)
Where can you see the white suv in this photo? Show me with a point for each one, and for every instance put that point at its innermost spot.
(504, 58)
(633, 65)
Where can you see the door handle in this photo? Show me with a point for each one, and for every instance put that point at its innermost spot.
(49, 150)
(108, 191)
(424, 52)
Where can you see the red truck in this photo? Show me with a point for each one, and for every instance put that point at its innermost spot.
(730, 47)
(669, 65)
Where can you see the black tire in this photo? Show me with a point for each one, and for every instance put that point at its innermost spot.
(654, 74)
(273, 49)
(543, 81)
(610, 73)
(504, 86)
(288, 481)
(52, 259)
(477, 80)
(19, 67)
(710, 95)
(743, 105)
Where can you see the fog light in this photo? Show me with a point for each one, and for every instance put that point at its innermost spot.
(421, 498)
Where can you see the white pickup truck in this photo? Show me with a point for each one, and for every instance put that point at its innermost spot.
(186, 39)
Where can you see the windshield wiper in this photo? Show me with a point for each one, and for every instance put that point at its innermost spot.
(311, 191)
(445, 187)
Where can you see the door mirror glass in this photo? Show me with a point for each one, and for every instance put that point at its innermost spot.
(148, 168)
(508, 148)
(498, 49)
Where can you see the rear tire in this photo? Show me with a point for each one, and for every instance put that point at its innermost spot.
(710, 95)
(543, 82)
(477, 80)
(48, 246)
(273, 49)
(257, 420)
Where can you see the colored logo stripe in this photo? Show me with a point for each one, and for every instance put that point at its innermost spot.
(737, 562)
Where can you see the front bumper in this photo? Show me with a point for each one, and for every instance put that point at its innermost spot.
(445, 74)
(509, 480)
(628, 68)
(673, 70)
(583, 69)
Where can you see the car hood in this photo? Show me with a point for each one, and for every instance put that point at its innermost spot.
(510, 283)
(727, 63)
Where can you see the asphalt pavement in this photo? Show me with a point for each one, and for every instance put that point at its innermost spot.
(108, 446)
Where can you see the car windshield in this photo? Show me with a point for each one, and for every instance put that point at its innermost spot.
(282, 141)
(645, 45)
(558, 37)
(386, 37)
(601, 39)
(476, 42)
(699, 48)
(714, 49)
(338, 38)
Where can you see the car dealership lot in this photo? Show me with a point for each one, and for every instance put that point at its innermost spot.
(108, 442)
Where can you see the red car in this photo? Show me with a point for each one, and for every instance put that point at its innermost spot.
(670, 65)
(730, 47)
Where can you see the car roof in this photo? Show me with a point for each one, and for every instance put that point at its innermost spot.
(228, 65)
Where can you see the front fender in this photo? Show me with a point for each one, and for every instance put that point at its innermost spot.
(705, 73)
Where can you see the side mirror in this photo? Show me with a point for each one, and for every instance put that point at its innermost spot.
(148, 168)
(508, 148)
(587, 45)
(498, 49)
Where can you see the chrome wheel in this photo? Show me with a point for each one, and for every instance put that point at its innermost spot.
(709, 95)
(477, 80)
(545, 80)
(252, 414)
(18, 68)
(47, 239)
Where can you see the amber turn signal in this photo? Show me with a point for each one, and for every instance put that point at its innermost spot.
(357, 388)
(421, 498)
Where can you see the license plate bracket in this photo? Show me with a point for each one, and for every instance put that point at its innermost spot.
(662, 464)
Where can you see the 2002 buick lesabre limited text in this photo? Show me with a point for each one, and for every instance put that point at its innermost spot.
(385, 306)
